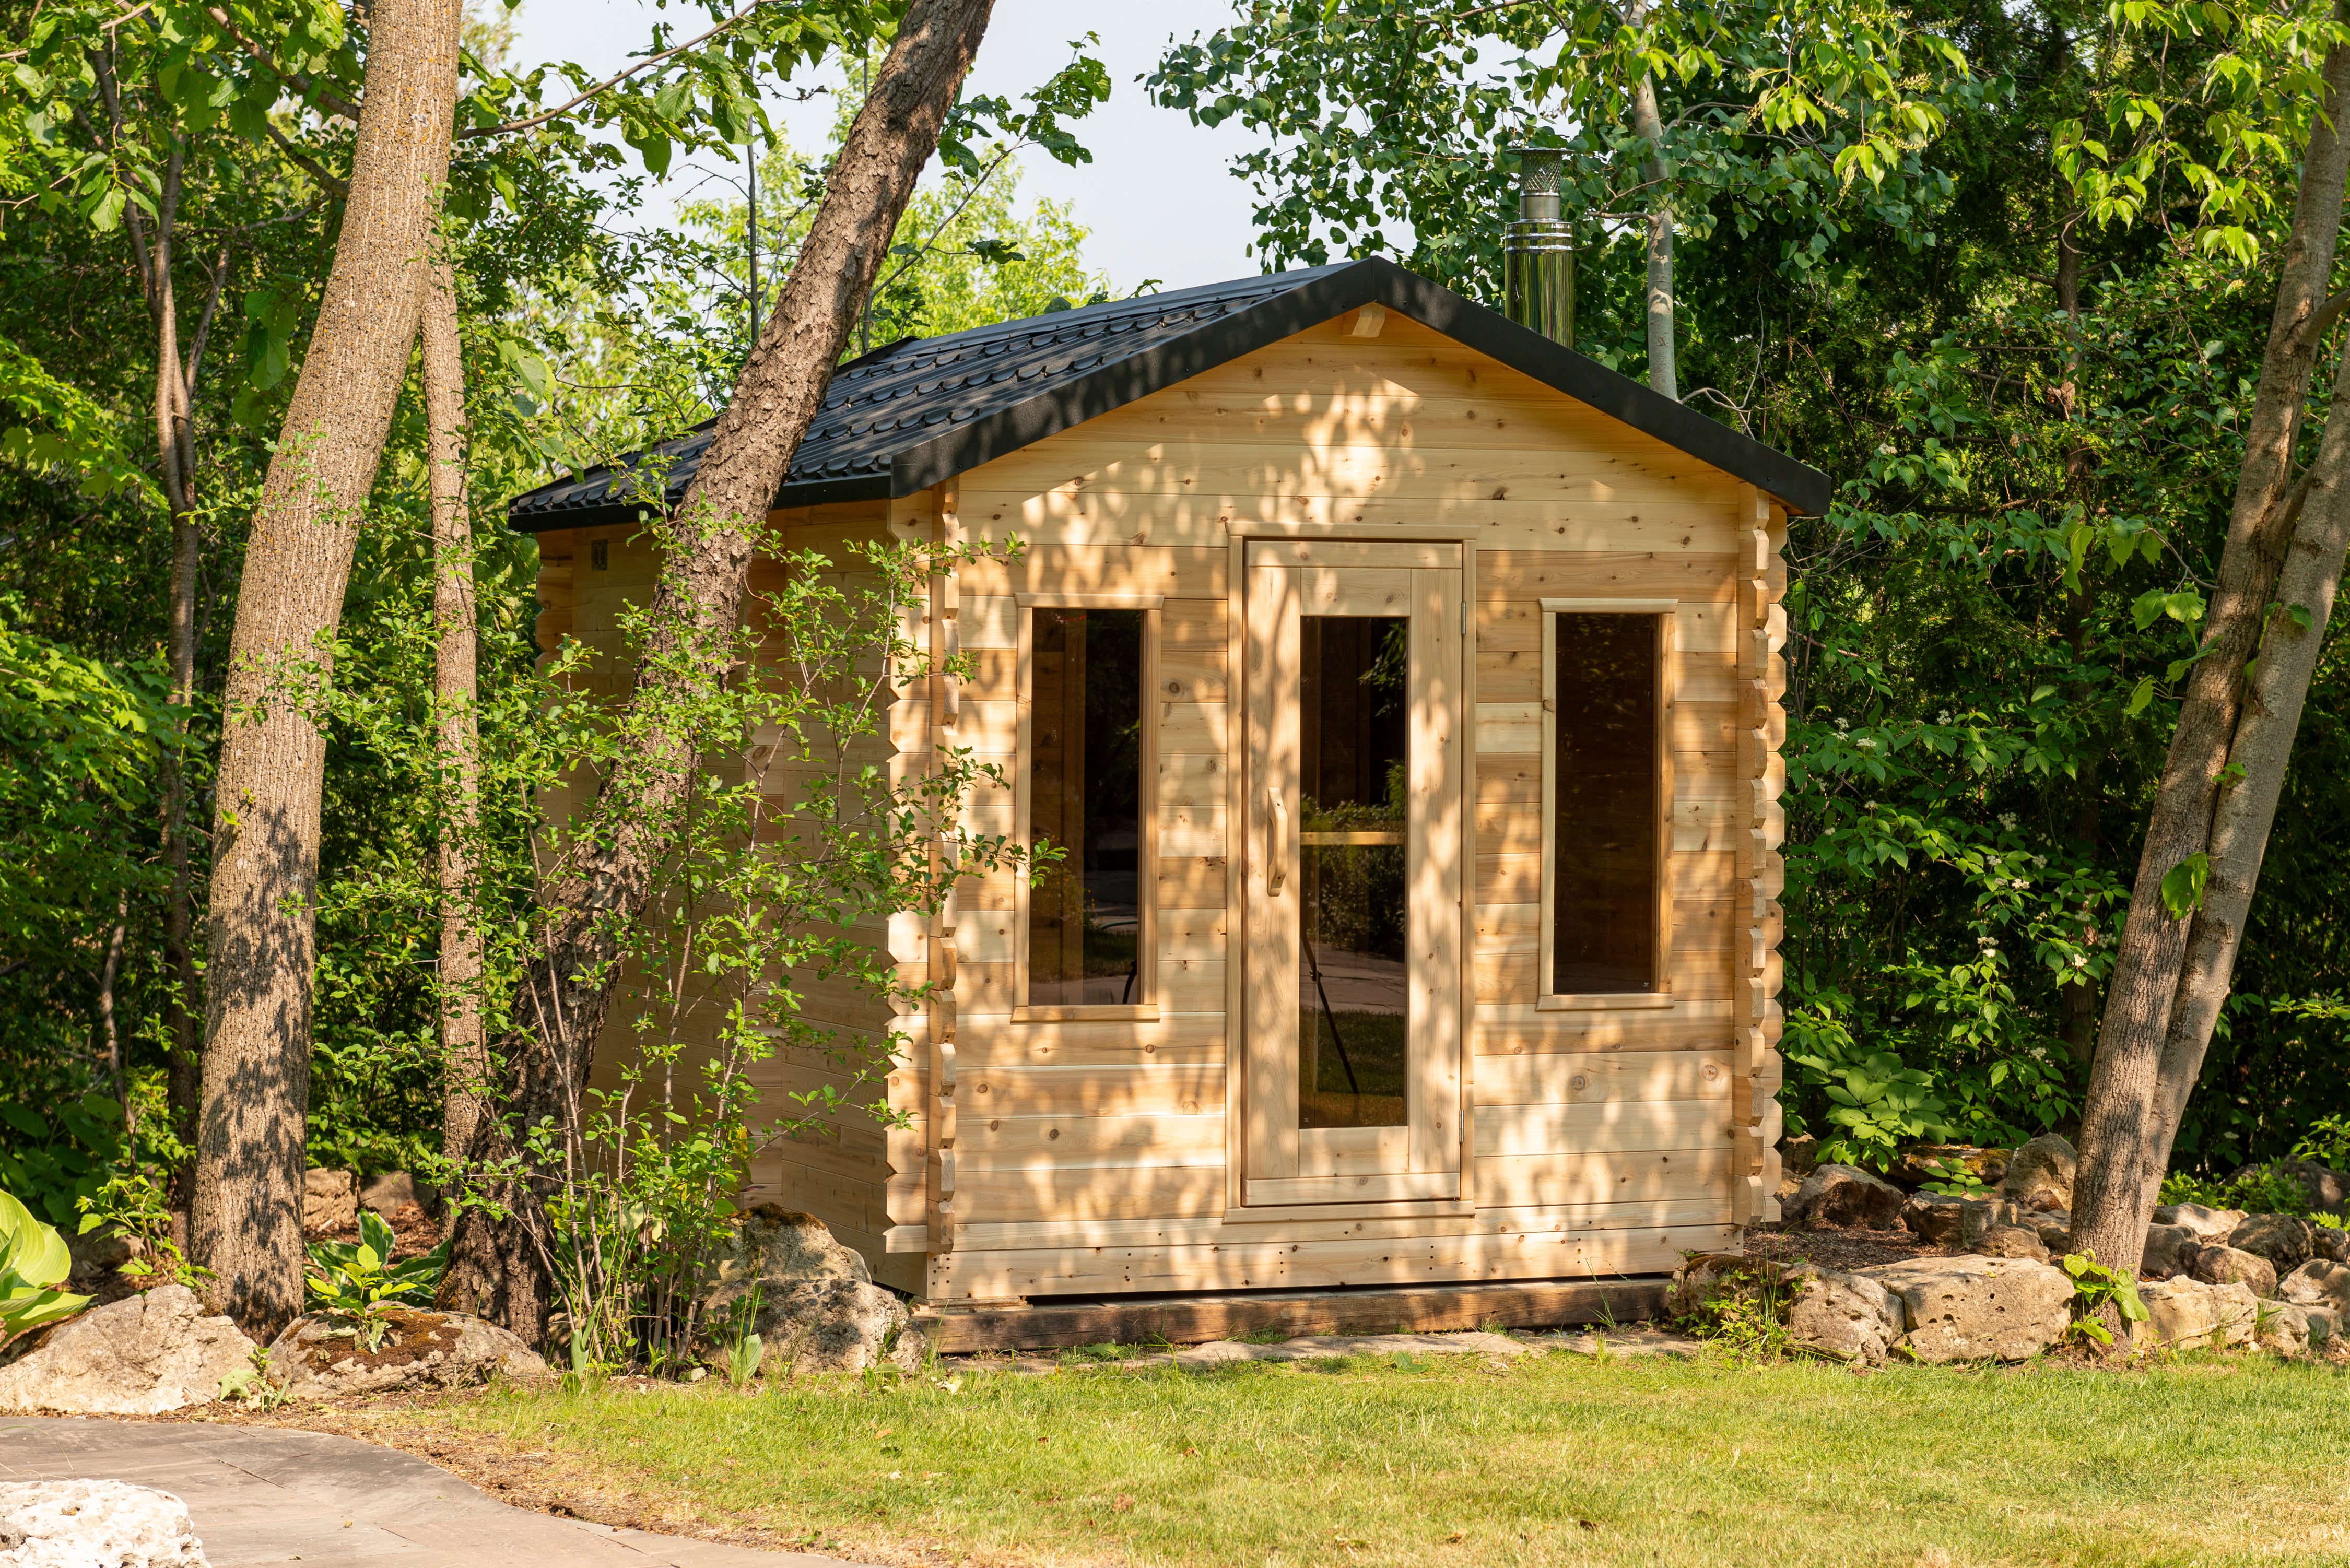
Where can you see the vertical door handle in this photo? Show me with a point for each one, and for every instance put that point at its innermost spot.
(1277, 830)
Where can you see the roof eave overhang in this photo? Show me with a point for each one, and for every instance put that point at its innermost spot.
(1803, 490)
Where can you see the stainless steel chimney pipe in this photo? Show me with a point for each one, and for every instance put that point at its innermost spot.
(1538, 250)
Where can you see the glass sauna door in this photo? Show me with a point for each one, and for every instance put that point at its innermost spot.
(1354, 871)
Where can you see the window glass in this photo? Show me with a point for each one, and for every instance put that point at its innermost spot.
(1084, 796)
(1605, 834)
(1353, 902)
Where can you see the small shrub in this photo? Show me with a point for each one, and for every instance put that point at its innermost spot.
(2258, 1191)
(1746, 1311)
(2097, 1287)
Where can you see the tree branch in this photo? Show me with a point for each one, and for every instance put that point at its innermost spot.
(509, 126)
(301, 83)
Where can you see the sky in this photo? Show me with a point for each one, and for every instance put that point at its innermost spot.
(1159, 197)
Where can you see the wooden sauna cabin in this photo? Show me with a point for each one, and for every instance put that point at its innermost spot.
(1403, 688)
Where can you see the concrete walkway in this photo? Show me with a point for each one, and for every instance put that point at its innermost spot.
(265, 1494)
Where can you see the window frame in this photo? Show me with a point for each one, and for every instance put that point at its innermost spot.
(1145, 1009)
(1666, 614)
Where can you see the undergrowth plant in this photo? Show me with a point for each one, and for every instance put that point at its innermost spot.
(359, 1283)
(2097, 1288)
(777, 876)
(34, 1262)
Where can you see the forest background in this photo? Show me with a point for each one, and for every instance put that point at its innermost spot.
(2020, 320)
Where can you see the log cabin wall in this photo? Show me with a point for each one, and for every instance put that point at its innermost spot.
(1048, 1158)
(864, 1181)
(1101, 1157)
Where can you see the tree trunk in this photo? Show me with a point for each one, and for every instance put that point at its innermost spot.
(246, 1220)
(2274, 693)
(1664, 374)
(464, 1054)
(2124, 1141)
(697, 605)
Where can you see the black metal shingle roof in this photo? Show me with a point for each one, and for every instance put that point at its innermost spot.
(921, 411)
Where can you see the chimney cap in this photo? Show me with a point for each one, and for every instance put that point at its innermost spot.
(1538, 169)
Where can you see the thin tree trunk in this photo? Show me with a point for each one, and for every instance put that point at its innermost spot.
(246, 1220)
(464, 1054)
(2273, 698)
(1664, 374)
(696, 607)
(2121, 1130)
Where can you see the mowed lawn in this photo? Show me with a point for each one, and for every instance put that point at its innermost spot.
(1443, 1460)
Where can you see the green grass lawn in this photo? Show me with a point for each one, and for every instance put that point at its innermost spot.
(1459, 1460)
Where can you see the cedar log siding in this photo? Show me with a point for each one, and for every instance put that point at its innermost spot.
(1100, 1157)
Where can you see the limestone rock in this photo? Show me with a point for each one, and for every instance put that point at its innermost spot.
(2040, 1174)
(2324, 1325)
(386, 1193)
(2327, 1242)
(1847, 1195)
(838, 1325)
(1845, 1318)
(2282, 1328)
(322, 1355)
(1799, 1154)
(2188, 1312)
(2226, 1265)
(2318, 1283)
(95, 1525)
(2011, 1242)
(819, 1309)
(331, 1201)
(139, 1356)
(1977, 1309)
(2055, 1229)
(2282, 1239)
(1947, 1222)
(2211, 1226)
(1924, 1162)
(2169, 1252)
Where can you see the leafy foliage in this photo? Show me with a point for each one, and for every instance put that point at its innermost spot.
(34, 1260)
(356, 1281)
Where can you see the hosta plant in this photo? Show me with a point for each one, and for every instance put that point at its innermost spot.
(34, 1262)
(357, 1280)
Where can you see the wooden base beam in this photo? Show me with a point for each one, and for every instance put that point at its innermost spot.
(1196, 1319)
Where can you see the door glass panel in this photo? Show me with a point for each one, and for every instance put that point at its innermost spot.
(1604, 938)
(1084, 793)
(1353, 1026)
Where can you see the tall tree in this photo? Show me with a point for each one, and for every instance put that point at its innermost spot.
(2179, 941)
(246, 1223)
(464, 1055)
(500, 1267)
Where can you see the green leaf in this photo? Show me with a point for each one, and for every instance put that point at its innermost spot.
(2142, 695)
(29, 1250)
(2182, 885)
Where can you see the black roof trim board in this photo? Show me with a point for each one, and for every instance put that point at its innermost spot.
(998, 388)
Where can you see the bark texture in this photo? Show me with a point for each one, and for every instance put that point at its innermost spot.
(2125, 1144)
(698, 602)
(1664, 373)
(464, 1055)
(246, 1220)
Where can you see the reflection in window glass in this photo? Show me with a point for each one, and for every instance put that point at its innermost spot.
(1604, 836)
(1352, 907)
(1085, 795)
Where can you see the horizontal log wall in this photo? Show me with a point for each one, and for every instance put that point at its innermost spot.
(1096, 1156)
(1054, 1159)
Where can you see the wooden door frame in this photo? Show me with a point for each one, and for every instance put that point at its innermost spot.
(1239, 535)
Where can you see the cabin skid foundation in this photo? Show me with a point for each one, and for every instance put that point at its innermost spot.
(1196, 1319)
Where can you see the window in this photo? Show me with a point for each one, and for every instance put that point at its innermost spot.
(1607, 920)
(1086, 764)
